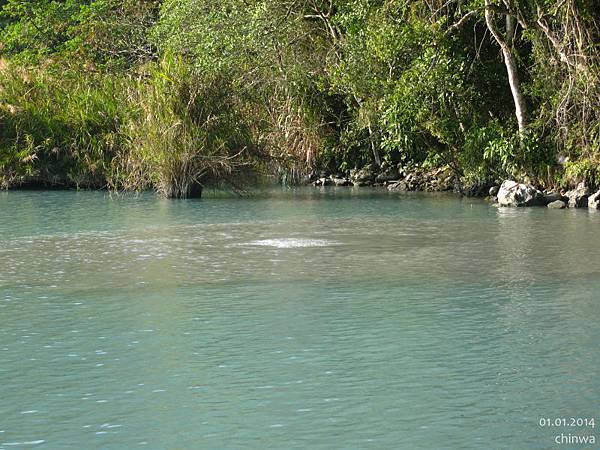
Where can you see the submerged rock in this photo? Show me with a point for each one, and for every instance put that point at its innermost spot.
(594, 201)
(557, 204)
(512, 193)
(578, 197)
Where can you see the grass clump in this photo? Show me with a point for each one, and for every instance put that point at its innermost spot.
(184, 132)
(58, 126)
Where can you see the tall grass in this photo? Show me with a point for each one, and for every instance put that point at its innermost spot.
(163, 127)
(185, 132)
(58, 125)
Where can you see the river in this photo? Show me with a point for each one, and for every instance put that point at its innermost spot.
(294, 319)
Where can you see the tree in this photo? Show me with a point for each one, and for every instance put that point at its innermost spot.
(506, 45)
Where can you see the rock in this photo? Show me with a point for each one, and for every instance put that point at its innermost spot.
(479, 190)
(323, 182)
(594, 201)
(414, 181)
(446, 183)
(494, 191)
(399, 186)
(389, 174)
(551, 197)
(340, 181)
(578, 197)
(364, 176)
(512, 193)
(557, 204)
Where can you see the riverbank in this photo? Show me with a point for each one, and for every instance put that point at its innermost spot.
(125, 95)
(394, 177)
(414, 177)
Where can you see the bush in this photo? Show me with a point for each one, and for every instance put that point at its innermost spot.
(185, 132)
(58, 126)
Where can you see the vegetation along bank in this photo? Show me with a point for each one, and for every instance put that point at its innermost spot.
(175, 95)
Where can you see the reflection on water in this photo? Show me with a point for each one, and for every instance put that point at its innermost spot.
(327, 319)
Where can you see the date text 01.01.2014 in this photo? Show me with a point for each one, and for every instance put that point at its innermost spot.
(581, 422)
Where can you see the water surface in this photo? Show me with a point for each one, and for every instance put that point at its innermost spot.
(327, 319)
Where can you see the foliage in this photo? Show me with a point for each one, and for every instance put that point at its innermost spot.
(176, 93)
(38, 27)
(116, 33)
(184, 132)
(58, 126)
(582, 170)
(271, 58)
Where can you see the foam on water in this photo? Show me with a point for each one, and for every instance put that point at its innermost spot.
(292, 243)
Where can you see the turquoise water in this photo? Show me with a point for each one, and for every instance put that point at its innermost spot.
(333, 319)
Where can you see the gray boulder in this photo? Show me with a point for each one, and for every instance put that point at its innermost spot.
(557, 204)
(512, 193)
(399, 186)
(578, 197)
(389, 174)
(494, 191)
(446, 182)
(364, 176)
(338, 181)
(551, 197)
(594, 201)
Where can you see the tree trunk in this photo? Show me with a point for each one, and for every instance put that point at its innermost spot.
(376, 156)
(510, 63)
(515, 88)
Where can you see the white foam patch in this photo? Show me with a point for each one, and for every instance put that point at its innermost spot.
(11, 444)
(293, 243)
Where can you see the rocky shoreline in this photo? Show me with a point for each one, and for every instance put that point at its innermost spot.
(413, 177)
(511, 193)
(394, 177)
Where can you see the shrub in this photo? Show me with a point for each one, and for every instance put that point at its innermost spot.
(58, 125)
(185, 132)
